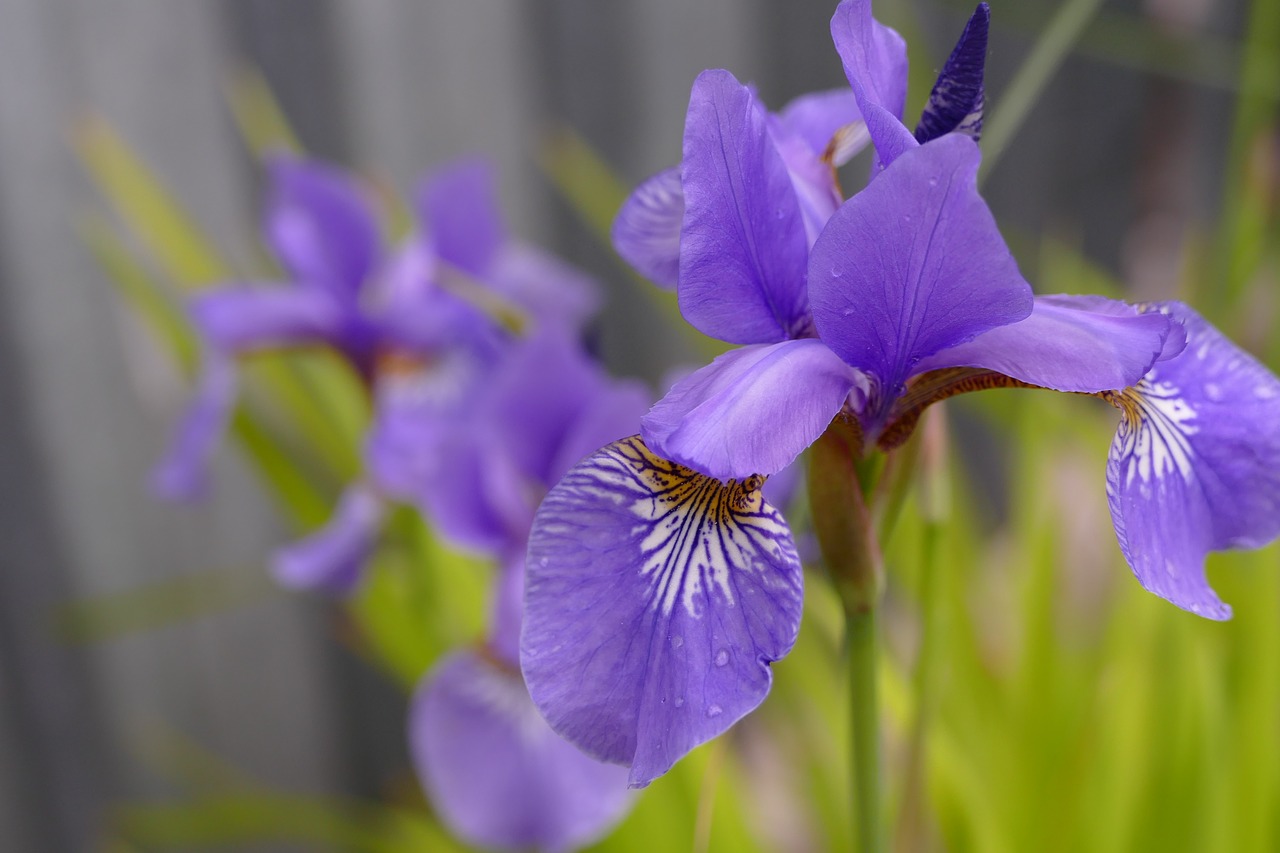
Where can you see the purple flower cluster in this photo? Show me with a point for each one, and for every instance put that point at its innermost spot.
(472, 423)
(661, 585)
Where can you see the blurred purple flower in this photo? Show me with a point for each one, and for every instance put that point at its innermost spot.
(661, 585)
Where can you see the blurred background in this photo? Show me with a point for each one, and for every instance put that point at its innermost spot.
(138, 640)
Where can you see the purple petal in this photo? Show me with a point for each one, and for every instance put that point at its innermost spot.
(332, 559)
(655, 601)
(752, 410)
(875, 61)
(320, 225)
(613, 413)
(955, 104)
(183, 473)
(507, 610)
(823, 120)
(1067, 344)
(1195, 465)
(459, 206)
(646, 232)
(743, 243)
(241, 319)
(499, 777)
(912, 265)
(545, 286)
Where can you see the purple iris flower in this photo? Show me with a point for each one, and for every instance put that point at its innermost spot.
(499, 775)
(421, 326)
(661, 585)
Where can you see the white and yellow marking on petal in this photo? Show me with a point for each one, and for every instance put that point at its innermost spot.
(1155, 434)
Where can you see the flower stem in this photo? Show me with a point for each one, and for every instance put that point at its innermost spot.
(864, 707)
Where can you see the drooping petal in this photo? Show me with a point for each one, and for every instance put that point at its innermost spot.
(332, 559)
(875, 62)
(956, 102)
(646, 232)
(183, 473)
(1195, 465)
(742, 243)
(319, 225)
(1067, 344)
(497, 774)
(912, 265)
(243, 319)
(751, 411)
(459, 206)
(655, 601)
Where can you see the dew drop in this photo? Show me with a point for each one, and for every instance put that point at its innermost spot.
(679, 703)
(933, 182)
(1264, 392)
(677, 642)
(544, 562)
(1213, 391)
(714, 710)
(722, 657)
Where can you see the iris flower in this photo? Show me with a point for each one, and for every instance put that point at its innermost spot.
(419, 326)
(661, 585)
(500, 777)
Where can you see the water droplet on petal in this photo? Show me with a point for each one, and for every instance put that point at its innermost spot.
(544, 562)
(933, 182)
(714, 710)
(722, 657)
(1213, 391)
(679, 703)
(677, 642)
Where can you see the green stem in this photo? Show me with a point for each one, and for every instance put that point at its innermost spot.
(864, 707)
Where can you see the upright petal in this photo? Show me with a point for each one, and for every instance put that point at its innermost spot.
(875, 62)
(613, 413)
(320, 225)
(655, 601)
(1068, 343)
(498, 775)
(751, 411)
(459, 206)
(823, 120)
(332, 559)
(183, 472)
(646, 232)
(548, 288)
(1195, 465)
(956, 102)
(743, 243)
(910, 266)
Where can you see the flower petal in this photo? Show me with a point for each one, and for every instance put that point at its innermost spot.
(742, 244)
(646, 232)
(183, 473)
(1067, 344)
(956, 102)
(332, 559)
(912, 265)
(655, 600)
(548, 288)
(242, 319)
(459, 206)
(319, 225)
(875, 62)
(497, 774)
(823, 120)
(751, 411)
(1195, 465)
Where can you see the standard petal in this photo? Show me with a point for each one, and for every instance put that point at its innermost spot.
(320, 225)
(613, 413)
(183, 473)
(743, 243)
(912, 265)
(1195, 465)
(243, 319)
(459, 207)
(646, 232)
(875, 62)
(1068, 344)
(751, 411)
(655, 601)
(545, 286)
(497, 774)
(823, 120)
(332, 559)
(956, 102)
